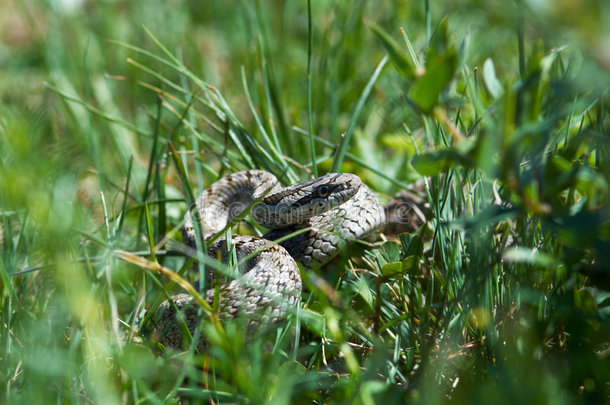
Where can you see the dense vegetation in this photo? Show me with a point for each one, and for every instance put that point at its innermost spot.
(115, 114)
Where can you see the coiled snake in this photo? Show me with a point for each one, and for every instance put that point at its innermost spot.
(334, 209)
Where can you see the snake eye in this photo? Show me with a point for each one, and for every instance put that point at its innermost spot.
(323, 191)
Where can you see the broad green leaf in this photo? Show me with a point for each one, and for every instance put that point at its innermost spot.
(410, 264)
(392, 270)
(491, 81)
(412, 245)
(439, 73)
(394, 50)
(314, 320)
(439, 43)
(364, 291)
(397, 269)
(390, 252)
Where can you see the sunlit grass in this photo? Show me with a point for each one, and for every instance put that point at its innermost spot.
(116, 115)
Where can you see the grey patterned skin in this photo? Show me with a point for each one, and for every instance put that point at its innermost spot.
(270, 287)
(329, 232)
(335, 208)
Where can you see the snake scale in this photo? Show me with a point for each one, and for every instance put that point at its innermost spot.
(333, 210)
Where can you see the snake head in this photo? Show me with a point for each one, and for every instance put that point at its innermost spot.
(296, 204)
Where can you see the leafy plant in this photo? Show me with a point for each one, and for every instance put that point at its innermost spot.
(499, 111)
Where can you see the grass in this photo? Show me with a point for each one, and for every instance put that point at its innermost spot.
(117, 114)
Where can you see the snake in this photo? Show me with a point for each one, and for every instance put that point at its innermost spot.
(312, 220)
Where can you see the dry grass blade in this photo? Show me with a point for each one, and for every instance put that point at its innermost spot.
(157, 268)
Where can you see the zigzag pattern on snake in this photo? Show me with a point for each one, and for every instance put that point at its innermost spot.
(334, 209)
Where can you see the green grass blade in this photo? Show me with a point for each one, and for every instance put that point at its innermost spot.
(342, 150)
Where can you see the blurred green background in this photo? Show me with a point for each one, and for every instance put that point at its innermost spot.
(502, 106)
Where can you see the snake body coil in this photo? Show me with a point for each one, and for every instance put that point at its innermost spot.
(334, 209)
